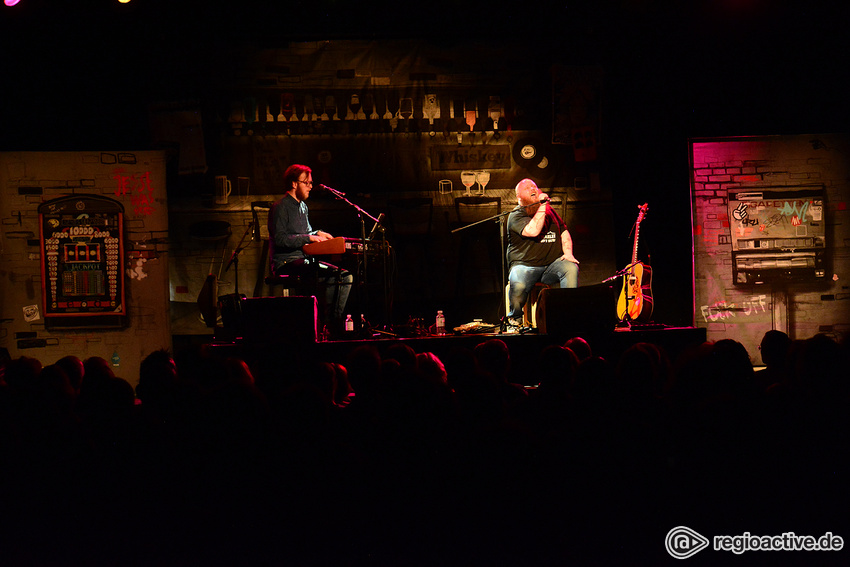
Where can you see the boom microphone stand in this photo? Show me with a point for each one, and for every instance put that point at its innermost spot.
(500, 217)
(234, 257)
(361, 213)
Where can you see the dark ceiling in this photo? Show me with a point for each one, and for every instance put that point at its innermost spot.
(72, 70)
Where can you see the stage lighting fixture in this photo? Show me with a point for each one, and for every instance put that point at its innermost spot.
(11, 2)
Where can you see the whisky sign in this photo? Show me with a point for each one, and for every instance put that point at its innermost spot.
(449, 158)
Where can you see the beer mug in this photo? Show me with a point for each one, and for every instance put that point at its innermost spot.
(223, 188)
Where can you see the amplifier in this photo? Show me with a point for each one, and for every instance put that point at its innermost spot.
(582, 311)
(271, 319)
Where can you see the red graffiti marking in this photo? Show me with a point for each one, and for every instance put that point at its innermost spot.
(138, 188)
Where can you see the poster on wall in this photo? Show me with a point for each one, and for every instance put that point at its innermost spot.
(777, 235)
(82, 254)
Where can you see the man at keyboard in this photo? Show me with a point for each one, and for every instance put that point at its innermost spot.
(290, 224)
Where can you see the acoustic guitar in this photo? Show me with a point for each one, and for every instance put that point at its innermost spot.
(635, 301)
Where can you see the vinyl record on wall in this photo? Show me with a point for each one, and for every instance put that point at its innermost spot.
(546, 167)
(526, 152)
(535, 156)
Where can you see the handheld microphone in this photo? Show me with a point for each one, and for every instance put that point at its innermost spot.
(540, 202)
(331, 189)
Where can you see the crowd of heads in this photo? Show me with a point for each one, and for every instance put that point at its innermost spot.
(388, 436)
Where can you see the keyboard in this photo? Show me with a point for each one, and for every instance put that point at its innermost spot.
(342, 245)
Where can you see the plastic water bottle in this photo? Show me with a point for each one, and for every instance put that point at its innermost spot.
(441, 323)
(349, 324)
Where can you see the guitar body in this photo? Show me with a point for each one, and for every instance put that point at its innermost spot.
(635, 301)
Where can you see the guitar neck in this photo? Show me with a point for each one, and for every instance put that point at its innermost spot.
(635, 248)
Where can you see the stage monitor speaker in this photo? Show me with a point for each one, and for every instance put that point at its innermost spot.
(272, 319)
(565, 313)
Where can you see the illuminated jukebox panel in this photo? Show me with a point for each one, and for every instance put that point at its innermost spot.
(82, 254)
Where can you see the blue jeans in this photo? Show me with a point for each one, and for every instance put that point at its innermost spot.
(559, 273)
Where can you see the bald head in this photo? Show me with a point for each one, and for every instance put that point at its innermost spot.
(525, 184)
(527, 192)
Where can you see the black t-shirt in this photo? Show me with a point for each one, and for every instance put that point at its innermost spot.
(541, 250)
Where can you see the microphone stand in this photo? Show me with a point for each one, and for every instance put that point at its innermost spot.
(234, 257)
(341, 196)
(618, 274)
(500, 217)
(361, 213)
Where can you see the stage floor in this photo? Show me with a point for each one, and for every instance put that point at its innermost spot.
(524, 348)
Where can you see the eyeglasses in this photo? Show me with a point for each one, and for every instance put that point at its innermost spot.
(307, 183)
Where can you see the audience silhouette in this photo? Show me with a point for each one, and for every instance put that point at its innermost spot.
(413, 458)
(775, 348)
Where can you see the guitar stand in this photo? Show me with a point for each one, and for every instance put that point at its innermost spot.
(624, 324)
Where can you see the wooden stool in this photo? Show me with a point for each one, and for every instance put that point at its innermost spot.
(529, 311)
